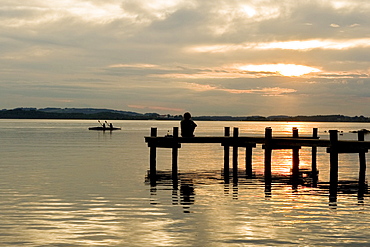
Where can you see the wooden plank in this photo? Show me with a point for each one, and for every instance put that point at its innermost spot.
(241, 140)
(347, 150)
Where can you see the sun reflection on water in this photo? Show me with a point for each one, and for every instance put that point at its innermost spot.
(97, 195)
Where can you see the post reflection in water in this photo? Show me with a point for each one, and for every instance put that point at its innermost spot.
(187, 195)
(286, 168)
(63, 185)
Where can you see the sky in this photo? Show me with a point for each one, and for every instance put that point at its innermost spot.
(208, 57)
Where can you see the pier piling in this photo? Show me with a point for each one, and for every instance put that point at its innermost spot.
(333, 150)
(235, 155)
(226, 156)
(268, 152)
(174, 156)
(295, 158)
(269, 143)
(362, 170)
(314, 174)
(153, 158)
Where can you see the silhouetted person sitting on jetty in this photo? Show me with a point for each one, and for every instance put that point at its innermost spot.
(187, 126)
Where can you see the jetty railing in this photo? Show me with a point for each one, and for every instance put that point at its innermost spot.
(269, 143)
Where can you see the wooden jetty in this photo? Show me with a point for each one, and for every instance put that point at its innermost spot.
(269, 143)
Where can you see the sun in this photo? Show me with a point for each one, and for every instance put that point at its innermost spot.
(283, 69)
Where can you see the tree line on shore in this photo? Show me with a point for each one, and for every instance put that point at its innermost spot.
(92, 113)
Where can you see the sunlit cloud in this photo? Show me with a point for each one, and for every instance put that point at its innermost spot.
(285, 45)
(347, 4)
(344, 75)
(249, 10)
(354, 25)
(198, 87)
(90, 12)
(147, 11)
(275, 91)
(317, 44)
(230, 73)
(244, 71)
(138, 65)
(51, 11)
(156, 108)
(182, 53)
(29, 53)
(270, 91)
(232, 12)
(263, 11)
(283, 69)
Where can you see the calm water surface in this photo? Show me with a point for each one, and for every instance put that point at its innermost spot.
(63, 185)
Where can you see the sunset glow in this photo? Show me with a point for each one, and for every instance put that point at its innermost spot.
(285, 45)
(316, 44)
(120, 54)
(276, 91)
(283, 69)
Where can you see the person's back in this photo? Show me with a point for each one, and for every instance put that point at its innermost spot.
(187, 126)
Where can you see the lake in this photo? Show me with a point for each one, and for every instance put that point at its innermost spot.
(64, 185)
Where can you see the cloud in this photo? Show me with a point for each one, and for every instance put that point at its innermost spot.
(283, 69)
(264, 91)
(142, 66)
(276, 91)
(210, 56)
(286, 45)
(167, 109)
(36, 12)
(242, 71)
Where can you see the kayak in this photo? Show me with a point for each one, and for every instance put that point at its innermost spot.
(104, 129)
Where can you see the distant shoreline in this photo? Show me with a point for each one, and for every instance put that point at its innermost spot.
(107, 114)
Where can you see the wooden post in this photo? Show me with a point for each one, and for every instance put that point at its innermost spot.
(314, 160)
(174, 156)
(227, 157)
(362, 170)
(235, 154)
(333, 165)
(153, 158)
(295, 168)
(248, 161)
(268, 152)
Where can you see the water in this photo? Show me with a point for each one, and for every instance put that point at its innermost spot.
(63, 185)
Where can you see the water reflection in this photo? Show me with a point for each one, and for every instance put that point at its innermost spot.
(183, 193)
(183, 190)
(90, 222)
(65, 186)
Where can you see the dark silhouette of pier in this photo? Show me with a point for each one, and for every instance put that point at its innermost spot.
(269, 143)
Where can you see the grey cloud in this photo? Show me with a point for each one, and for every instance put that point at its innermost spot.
(69, 57)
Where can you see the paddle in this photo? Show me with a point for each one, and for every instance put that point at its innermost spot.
(102, 124)
(110, 125)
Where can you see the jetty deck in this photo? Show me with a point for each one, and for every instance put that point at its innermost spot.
(269, 143)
